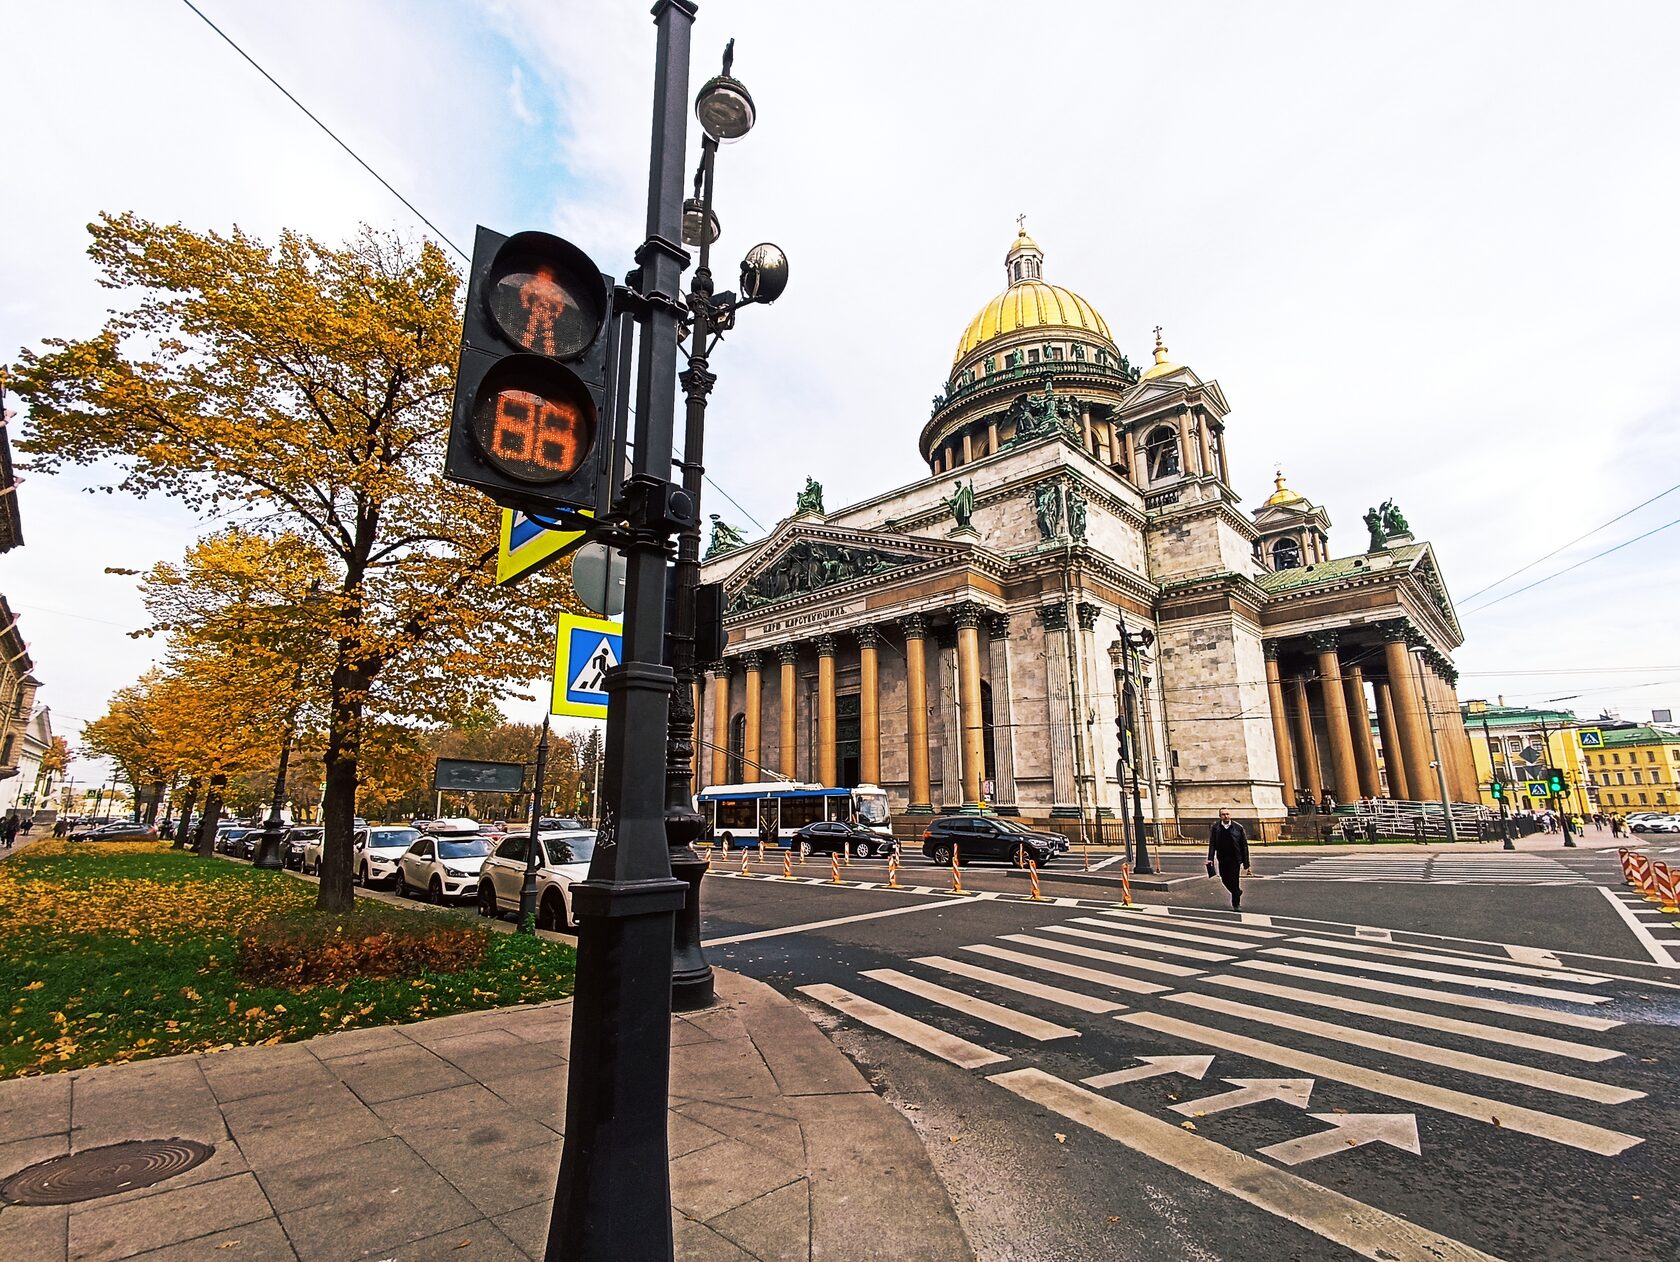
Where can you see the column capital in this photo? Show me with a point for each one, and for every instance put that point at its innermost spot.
(1324, 641)
(826, 646)
(867, 637)
(967, 616)
(997, 625)
(721, 669)
(1396, 631)
(1054, 617)
(915, 626)
(1273, 649)
(751, 661)
(1088, 614)
(787, 654)
(945, 636)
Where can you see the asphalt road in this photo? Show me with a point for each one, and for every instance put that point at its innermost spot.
(1502, 1019)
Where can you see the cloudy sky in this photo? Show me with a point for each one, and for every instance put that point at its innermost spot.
(1427, 250)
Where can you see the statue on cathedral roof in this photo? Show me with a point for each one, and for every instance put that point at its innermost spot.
(1393, 520)
(1374, 523)
(1047, 507)
(725, 538)
(810, 499)
(961, 504)
(1076, 515)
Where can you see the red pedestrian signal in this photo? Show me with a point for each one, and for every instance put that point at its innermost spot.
(533, 382)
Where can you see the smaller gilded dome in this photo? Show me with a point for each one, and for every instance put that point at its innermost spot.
(1022, 243)
(1283, 495)
(1162, 366)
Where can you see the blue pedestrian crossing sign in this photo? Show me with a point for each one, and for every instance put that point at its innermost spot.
(1591, 737)
(585, 649)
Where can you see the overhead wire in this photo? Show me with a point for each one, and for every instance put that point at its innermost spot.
(1585, 561)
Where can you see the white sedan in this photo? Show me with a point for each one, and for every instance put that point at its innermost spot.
(374, 861)
(444, 868)
(562, 858)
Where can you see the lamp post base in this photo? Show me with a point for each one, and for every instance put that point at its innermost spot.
(692, 985)
(268, 849)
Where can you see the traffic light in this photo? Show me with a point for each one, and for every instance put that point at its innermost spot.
(1498, 789)
(533, 385)
(1554, 782)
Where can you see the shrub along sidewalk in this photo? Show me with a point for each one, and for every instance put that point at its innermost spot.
(125, 951)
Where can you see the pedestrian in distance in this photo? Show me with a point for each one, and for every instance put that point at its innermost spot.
(9, 828)
(1228, 851)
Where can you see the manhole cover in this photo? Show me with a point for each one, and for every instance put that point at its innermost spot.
(103, 1171)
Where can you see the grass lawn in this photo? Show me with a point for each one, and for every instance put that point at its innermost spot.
(125, 951)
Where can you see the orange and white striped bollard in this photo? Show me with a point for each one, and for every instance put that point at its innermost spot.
(1032, 875)
(1125, 885)
(892, 870)
(787, 865)
(746, 861)
(834, 868)
(956, 870)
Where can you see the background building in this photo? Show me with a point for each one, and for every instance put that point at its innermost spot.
(961, 640)
(1638, 768)
(1518, 744)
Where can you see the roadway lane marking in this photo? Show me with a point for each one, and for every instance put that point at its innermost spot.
(1291, 1091)
(907, 1029)
(824, 924)
(1458, 961)
(1329, 978)
(1212, 926)
(1457, 979)
(1144, 944)
(1362, 1228)
(983, 1009)
(1373, 935)
(1111, 957)
(1108, 862)
(1560, 1130)
(1428, 1020)
(1176, 935)
(1533, 955)
(1154, 1067)
(1428, 1053)
(1349, 1130)
(1657, 950)
(1022, 985)
(1062, 969)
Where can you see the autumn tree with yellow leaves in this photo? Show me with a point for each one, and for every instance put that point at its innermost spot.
(304, 389)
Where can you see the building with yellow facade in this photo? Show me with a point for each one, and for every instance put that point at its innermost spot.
(1519, 744)
(1637, 769)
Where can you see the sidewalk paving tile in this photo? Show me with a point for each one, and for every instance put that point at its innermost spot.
(253, 1242)
(330, 1175)
(775, 1228)
(376, 1218)
(527, 1226)
(392, 1072)
(714, 1180)
(104, 1232)
(35, 1106)
(355, 1042)
(38, 1233)
(511, 1180)
(777, 1135)
(480, 1241)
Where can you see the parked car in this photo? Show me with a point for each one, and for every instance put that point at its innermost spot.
(117, 830)
(974, 837)
(1656, 824)
(443, 866)
(562, 857)
(295, 839)
(838, 836)
(561, 824)
(377, 851)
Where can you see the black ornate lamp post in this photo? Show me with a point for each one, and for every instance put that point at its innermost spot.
(528, 890)
(726, 113)
(1130, 644)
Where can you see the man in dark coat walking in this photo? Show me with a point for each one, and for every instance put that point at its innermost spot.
(1228, 847)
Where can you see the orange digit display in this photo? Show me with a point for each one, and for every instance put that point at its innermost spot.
(534, 437)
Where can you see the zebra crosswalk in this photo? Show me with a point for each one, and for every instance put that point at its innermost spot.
(1525, 1048)
(1437, 869)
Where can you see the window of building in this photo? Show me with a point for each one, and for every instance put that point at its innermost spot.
(1656, 775)
(1032, 357)
(1642, 799)
(1637, 779)
(1621, 779)
(1286, 555)
(1161, 453)
(1616, 758)
(1650, 755)
(1052, 352)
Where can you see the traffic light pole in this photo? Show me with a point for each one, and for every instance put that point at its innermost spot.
(1493, 780)
(1128, 698)
(613, 1196)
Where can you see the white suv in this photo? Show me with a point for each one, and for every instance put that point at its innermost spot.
(444, 866)
(562, 858)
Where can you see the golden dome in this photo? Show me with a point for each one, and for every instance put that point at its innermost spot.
(1283, 495)
(1029, 303)
(1162, 367)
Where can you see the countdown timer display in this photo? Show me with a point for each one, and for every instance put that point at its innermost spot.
(533, 421)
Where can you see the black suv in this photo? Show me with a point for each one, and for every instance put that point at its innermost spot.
(988, 837)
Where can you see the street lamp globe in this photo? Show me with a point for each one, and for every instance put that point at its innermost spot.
(764, 273)
(694, 215)
(725, 109)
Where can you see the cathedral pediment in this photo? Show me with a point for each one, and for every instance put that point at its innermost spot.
(803, 557)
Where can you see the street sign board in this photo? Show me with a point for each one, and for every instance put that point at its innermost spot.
(1537, 789)
(1590, 737)
(527, 547)
(585, 649)
(470, 775)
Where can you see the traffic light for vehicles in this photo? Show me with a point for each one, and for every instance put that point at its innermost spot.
(1554, 782)
(532, 388)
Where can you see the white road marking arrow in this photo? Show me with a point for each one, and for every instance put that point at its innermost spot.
(1154, 1067)
(1250, 1091)
(1350, 1130)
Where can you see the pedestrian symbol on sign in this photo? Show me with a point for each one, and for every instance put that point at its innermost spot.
(592, 676)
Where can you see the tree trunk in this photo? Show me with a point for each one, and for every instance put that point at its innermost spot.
(187, 804)
(157, 801)
(350, 682)
(207, 826)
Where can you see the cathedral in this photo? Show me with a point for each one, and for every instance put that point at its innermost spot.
(1072, 609)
